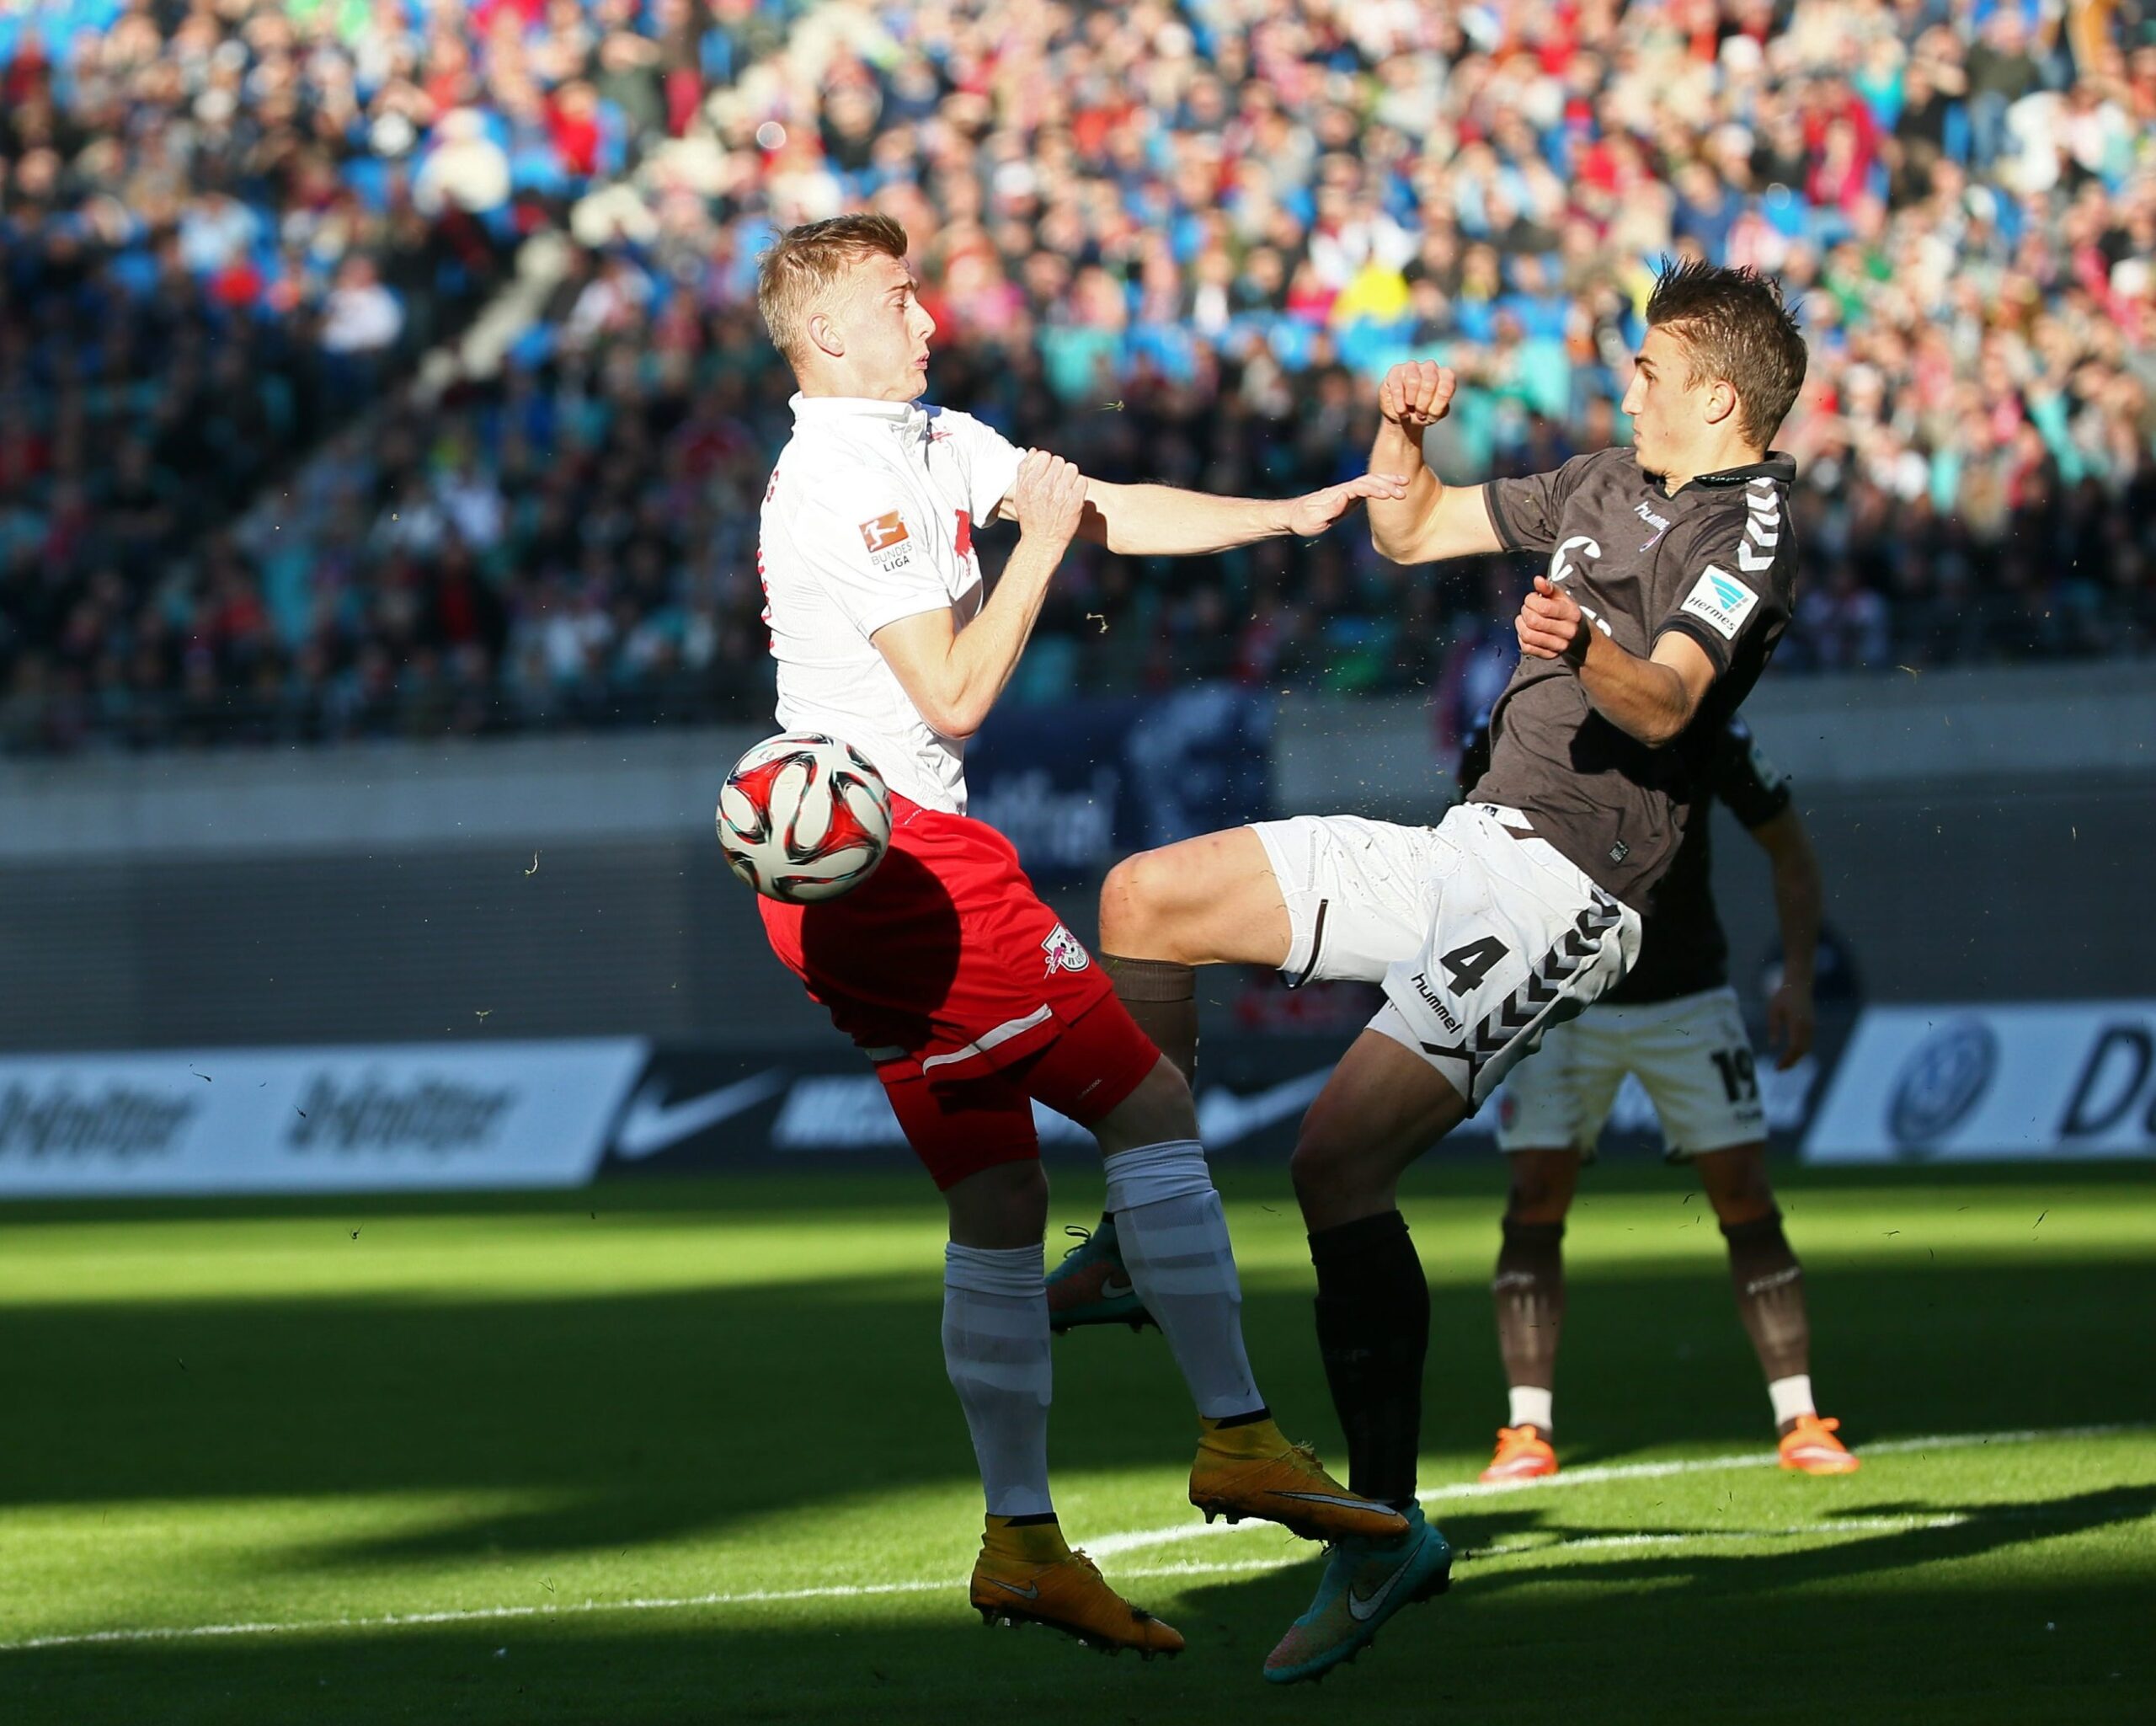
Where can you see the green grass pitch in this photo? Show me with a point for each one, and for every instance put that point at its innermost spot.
(683, 1451)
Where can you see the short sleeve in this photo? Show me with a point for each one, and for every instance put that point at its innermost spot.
(1750, 786)
(1720, 587)
(1525, 511)
(991, 460)
(877, 569)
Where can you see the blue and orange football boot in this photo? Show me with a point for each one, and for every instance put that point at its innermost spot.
(1092, 1286)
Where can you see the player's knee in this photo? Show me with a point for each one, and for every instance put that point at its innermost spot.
(1159, 1110)
(1325, 1169)
(1736, 1184)
(1003, 1206)
(1542, 1187)
(1137, 906)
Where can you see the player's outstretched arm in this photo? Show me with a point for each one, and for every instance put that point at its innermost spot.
(1652, 699)
(1165, 521)
(1798, 894)
(953, 676)
(1429, 520)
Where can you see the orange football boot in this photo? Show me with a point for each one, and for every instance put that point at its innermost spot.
(1252, 1469)
(1809, 1447)
(1028, 1575)
(1524, 1453)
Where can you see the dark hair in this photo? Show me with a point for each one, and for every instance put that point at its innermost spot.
(802, 264)
(1734, 327)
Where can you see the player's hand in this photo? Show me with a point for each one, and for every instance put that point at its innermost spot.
(1548, 621)
(1790, 1025)
(1416, 393)
(1311, 515)
(1049, 497)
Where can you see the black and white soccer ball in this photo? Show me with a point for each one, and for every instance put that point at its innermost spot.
(803, 817)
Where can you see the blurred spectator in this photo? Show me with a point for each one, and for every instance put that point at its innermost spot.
(1170, 241)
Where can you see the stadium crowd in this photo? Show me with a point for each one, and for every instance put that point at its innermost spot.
(1169, 241)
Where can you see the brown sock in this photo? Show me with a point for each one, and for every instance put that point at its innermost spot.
(1162, 996)
(1769, 1285)
(1529, 1287)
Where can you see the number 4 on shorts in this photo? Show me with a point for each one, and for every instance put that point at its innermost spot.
(1465, 967)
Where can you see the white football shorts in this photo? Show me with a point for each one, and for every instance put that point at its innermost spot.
(1483, 935)
(1692, 1055)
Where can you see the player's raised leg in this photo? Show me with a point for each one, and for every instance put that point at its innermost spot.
(1769, 1287)
(1213, 900)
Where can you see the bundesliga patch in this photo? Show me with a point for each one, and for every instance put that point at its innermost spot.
(887, 539)
(1720, 600)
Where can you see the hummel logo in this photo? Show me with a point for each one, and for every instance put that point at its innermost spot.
(1030, 1591)
(1363, 1607)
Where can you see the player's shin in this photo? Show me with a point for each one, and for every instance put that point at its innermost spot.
(1162, 998)
(1374, 1329)
(1769, 1285)
(1530, 1292)
(996, 1349)
(1174, 1238)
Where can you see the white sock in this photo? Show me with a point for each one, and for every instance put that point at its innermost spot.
(1531, 1407)
(1791, 1396)
(996, 1350)
(1174, 1238)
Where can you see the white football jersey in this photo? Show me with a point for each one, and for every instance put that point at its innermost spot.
(869, 517)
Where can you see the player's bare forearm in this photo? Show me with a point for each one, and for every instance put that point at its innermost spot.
(1161, 521)
(953, 676)
(1639, 696)
(985, 652)
(1428, 521)
(1395, 524)
(1652, 699)
(1790, 1020)
(1799, 895)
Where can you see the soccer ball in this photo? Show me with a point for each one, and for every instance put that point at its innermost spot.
(803, 817)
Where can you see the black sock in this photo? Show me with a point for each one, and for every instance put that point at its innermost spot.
(1162, 998)
(1373, 1330)
(1530, 1288)
(1769, 1286)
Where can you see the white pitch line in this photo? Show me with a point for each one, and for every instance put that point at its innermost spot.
(1115, 1543)
(1123, 1542)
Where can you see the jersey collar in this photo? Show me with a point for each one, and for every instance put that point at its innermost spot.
(1774, 465)
(902, 417)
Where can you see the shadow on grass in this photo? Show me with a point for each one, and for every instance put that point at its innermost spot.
(648, 1417)
(1860, 1632)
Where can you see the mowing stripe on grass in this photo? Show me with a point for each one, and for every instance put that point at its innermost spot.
(1121, 1542)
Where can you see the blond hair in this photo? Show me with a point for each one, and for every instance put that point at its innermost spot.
(803, 263)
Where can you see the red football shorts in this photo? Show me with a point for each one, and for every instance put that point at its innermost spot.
(966, 992)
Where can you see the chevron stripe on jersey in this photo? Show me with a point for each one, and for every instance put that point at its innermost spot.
(1520, 1009)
